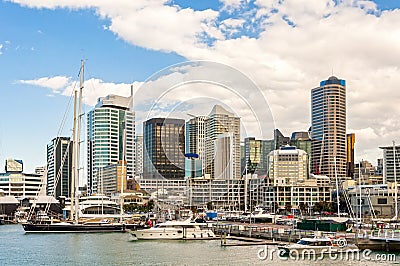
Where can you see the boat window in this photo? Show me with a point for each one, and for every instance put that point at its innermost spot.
(303, 242)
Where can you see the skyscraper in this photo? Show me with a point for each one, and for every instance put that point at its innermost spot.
(59, 156)
(390, 163)
(109, 125)
(328, 128)
(195, 142)
(350, 140)
(220, 121)
(164, 148)
(139, 155)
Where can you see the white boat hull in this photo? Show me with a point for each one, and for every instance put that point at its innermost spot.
(172, 234)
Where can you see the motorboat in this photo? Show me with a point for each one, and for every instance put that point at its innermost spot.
(175, 230)
(316, 246)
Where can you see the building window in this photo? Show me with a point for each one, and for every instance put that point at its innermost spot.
(382, 201)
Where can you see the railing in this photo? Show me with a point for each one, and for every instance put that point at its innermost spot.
(386, 233)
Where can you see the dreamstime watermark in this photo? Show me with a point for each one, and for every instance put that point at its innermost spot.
(328, 253)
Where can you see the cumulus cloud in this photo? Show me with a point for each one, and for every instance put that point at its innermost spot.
(290, 47)
(93, 88)
(56, 84)
(1, 47)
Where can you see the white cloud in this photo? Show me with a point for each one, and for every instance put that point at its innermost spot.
(231, 5)
(56, 84)
(1, 47)
(299, 43)
(96, 88)
(93, 88)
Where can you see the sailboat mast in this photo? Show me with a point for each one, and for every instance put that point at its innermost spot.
(395, 180)
(78, 139)
(123, 170)
(359, 185)
(72, 211)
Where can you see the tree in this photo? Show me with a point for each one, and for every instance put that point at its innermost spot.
(288, 207)
(209, 205)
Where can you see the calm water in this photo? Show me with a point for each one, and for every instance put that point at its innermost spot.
(18, 248)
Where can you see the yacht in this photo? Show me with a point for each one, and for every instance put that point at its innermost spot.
(175, 230)
(262, 216)
(316, 246)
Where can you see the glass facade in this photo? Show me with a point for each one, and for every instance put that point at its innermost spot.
(59, 167)
(105, 137)
(328, 130)
(164, 148)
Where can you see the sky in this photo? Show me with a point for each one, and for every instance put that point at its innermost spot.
(259, 58)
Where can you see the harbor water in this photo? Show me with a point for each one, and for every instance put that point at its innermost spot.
(19, 248)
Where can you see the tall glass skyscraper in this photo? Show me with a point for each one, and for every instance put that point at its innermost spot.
(328, 128)
(195, 143)
(105, 136)
(59, 155)
(164, 148)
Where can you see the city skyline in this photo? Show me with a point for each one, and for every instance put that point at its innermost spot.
(40, 56)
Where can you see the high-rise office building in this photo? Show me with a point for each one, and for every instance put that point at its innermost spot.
(391, 162)
(257, 155)
(139, 156)
(195, 143)
(279, 139)
(164, 148)
(220, 121)
(301, 140)
(350, 141)
(110, 125)
(328, 128)
(59, 167)
(288, 166)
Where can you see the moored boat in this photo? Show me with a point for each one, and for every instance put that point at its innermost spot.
(316, 246)
(87, 227)
(175, 230)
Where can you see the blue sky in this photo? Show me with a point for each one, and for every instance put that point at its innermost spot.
(42, 43)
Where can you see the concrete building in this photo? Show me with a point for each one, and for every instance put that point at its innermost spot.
(288, 166)
(227, 194)
(328, 129)
(390, 163)
(220, 121)
(195, 143)
(40, 170)
(223, 158)
(374, 199)
(164, 148)
(18, 184)
(110, 179)
(59, 167)
(110, 125)
(138, 156)
(304, 194)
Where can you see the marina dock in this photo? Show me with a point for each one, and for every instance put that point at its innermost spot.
(271, 235)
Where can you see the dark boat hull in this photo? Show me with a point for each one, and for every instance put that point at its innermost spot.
(379, 245)
(76, 228)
